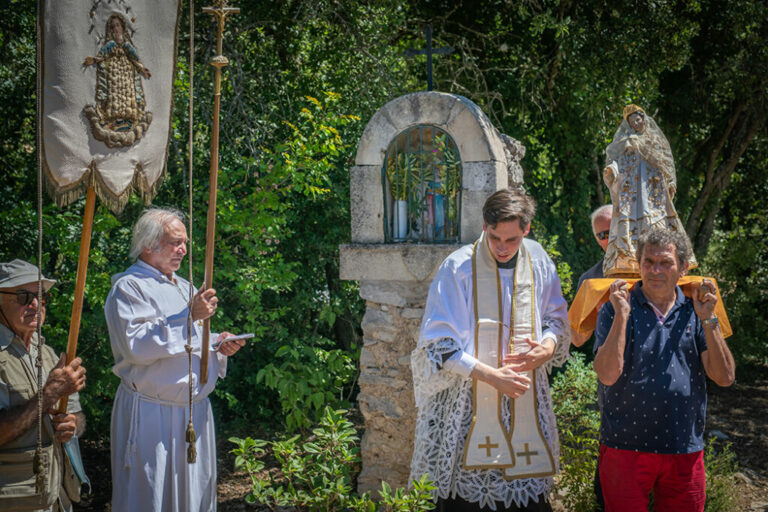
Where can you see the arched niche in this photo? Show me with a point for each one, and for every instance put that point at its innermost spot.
(483, 159)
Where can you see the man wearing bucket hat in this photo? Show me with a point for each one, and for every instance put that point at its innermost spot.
(19, 312)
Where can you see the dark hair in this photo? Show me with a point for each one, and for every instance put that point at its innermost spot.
(506, 205)
(660, 237)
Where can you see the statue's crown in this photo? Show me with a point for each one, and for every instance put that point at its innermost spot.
(631, 109)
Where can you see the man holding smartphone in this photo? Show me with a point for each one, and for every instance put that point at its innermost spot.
(147, 314)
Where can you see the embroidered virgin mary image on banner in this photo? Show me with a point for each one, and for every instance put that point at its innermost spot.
(119, 118)
(107, 96)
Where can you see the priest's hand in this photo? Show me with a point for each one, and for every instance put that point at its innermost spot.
(505, 379)
(538, 354)
(64, 425)
(228, 348)
(204, 304)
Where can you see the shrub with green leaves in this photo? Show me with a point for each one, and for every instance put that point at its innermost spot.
(720, 466)
(574, 397)
(317, 475)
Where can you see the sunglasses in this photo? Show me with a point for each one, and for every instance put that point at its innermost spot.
(603, 235)
(25, 298)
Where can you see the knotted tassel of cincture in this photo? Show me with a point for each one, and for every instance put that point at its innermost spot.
(39, 463)
(191, 438)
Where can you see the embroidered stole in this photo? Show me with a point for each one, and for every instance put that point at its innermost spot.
(523, 452)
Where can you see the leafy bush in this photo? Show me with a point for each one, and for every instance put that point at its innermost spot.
(574, 397)
(318, 474)
(737, 260)
(720, 467)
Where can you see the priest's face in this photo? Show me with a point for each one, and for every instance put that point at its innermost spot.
(173, 246)
(505, 238)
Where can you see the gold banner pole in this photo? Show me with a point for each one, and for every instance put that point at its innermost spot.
(220, 11)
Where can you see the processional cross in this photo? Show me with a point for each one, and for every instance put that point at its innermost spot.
(428, 51)
(220, 11)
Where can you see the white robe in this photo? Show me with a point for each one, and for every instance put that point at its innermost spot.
(444, 396)
(147, 319)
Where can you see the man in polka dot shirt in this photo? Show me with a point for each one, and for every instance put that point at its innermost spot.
(654, 349)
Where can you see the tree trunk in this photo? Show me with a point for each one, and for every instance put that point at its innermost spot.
(743, 125)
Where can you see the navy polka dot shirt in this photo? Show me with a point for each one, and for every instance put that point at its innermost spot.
(659, 402)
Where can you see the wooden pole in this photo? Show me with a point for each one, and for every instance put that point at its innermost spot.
(82, 271)
(221, 11)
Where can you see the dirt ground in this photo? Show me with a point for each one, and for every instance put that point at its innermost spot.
(738, 412)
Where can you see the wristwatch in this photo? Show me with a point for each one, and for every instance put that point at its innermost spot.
(711, 321)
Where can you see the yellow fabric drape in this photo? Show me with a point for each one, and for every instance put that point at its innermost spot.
(594, 293)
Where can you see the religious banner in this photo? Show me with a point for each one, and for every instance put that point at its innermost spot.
(107, 96)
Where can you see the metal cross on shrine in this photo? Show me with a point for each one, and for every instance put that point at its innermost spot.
(428, 51)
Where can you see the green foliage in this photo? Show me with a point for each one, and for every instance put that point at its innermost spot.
(737, 260)
(720, 467)
(563, 268)
(317, 475)
(574, 399)
(307, 378)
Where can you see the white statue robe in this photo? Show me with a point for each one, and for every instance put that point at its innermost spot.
(444, 395)
(147, 319)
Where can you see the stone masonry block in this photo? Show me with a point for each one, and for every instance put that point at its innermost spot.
(487, 177)
(367, 204)
(472, 215)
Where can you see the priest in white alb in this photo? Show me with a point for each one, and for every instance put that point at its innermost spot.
(495, 323)
(147, 316)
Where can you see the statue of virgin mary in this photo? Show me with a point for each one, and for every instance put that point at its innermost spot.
(640, 174)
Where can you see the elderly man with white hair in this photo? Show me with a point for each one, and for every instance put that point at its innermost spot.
(147, 315)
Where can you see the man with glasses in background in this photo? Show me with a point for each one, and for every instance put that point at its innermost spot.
(601, 228)
(19, 313)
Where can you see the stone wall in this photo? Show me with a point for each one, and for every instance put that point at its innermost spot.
(390, 328)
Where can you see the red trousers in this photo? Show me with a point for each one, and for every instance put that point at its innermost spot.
(677, 480)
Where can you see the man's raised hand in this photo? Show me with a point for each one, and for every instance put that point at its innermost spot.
(619, 297)
(204, 304)
(63, 380)
(705, 299)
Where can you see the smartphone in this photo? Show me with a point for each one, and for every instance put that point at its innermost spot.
(247, 336)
